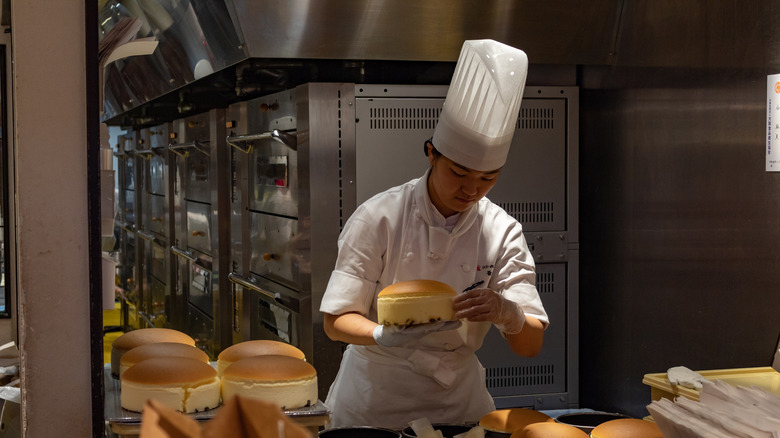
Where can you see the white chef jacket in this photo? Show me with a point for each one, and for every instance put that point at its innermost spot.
(399, 235)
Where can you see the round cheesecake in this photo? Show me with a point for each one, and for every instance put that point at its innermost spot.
(549, 430)
(258, 347)
(181, 383)
(160, 349)
(415, 302)
(135, 338)
(512, 420)
(627, 428)
(288, 382)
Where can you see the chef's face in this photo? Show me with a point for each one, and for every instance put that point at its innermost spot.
(454, 188)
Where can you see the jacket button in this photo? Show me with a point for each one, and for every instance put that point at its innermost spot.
(449, 347)
(466, 268)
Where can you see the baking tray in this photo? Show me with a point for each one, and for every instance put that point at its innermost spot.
(114, 413)
(763, 377)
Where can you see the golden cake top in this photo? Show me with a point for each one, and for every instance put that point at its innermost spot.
(259, 347)
(417, 288)
(170, 371)
(269, 368)
(143, 336)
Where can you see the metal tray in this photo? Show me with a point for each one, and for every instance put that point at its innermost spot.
(114, 413)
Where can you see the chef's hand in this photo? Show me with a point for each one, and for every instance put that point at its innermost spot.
(394, 336)
(486, 305)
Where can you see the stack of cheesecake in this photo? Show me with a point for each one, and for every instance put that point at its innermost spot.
(165, 366)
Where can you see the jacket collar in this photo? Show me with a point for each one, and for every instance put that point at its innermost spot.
(439, 239)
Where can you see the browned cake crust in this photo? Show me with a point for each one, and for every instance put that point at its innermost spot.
(413, 288)
(170, 371)
(627, 428)
(259, 347)
(269, 368)
(143, 336)
(549, 429)
(162, 349)
(512, 420)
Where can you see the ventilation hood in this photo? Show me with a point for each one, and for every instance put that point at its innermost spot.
(211, 53)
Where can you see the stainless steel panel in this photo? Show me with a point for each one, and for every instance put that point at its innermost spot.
(276, 313)
(157, 215)
(194, 144)
(275, 248)
(431, 30)
(127, 257)
(273, 176)
(156, 307)
(699, 33)
(201, 294)
(125, 143)
(539, 382)
(272, 168)
(678, 214)
(127, 165)
(391, 132)
(129, 281)
(531, 187)
(129, 209)
(181, 266)
(201, 328)
(196, 38)
(199, 227)
(159, 256)
(157, 181)
(160, 136)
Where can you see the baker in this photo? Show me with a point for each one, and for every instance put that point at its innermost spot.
(438, 227)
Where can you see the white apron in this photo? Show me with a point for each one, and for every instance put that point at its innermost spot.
(389, 387)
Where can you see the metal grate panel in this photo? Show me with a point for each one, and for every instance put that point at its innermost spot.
(528, 213)
(520, 376)
(388, 118)
(509, 375)
(545, 282)
(537, 118)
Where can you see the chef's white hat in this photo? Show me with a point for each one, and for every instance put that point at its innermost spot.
(480, 112)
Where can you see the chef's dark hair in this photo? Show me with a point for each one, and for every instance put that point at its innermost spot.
(435, 151)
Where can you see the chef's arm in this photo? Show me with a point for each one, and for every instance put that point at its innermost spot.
(527, 343)
(524, 333)
(352, 328)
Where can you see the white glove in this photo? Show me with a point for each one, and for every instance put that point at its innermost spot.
(487, 305)
(394, 336)
(511, 317)
(685, 377)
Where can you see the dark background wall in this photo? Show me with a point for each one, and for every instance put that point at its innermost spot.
(680, 228)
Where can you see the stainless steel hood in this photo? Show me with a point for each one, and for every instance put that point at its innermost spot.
(215, 52)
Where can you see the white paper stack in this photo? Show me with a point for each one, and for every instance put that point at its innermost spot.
(723, 411)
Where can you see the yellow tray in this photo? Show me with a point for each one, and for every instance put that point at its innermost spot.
(763, 377)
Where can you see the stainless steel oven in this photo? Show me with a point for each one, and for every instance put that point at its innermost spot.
(199, 171)
(153, 229)
(127, 267)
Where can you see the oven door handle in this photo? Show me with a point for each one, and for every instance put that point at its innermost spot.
(286, 138)
(197, 145)
(184, 254)
(130, 228)
(146, 236)
(251, 284)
